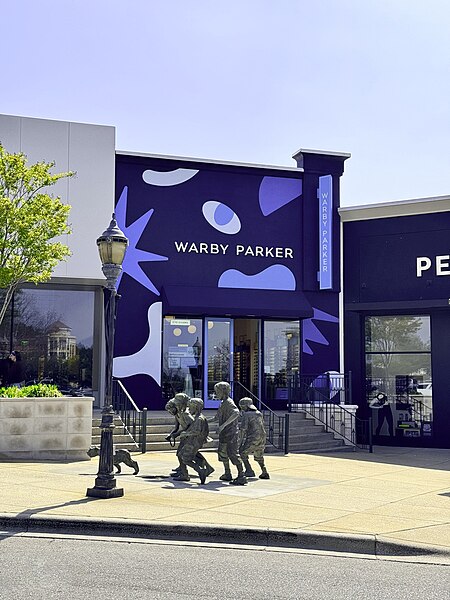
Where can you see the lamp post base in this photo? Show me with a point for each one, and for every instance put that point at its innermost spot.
(105, 482)
(104, 493)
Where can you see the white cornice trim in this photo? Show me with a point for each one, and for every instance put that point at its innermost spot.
(399, 208)
(211, 161)
(322, 153)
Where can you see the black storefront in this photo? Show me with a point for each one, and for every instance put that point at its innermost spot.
(397, 318)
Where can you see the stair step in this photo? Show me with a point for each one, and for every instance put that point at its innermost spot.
(162, 438)
(315, 446)
(165, 446)
(310, 437)
(117, 422)
(117, 439)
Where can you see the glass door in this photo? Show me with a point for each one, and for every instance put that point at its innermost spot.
(219, 356)
(246, 371)
(281, 362)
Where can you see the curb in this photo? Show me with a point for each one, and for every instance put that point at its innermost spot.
(220, 534)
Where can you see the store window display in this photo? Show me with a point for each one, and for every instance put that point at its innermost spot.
(398, 372)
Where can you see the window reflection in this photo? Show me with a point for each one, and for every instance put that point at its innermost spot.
(219, 357)
(281, 359)
(398, 375)
(182, 356)
(53, 330)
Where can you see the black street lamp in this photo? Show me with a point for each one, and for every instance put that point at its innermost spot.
(112, 245)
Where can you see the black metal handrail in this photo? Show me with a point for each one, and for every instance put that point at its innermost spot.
(277, 425)
(134, 420)
(326, 396)
(296, 388)
(341, 421)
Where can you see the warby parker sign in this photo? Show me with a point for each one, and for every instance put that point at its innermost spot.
(237, 249)
(325, 197)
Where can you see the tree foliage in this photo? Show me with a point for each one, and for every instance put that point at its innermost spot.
(395, 342)
(30, 220)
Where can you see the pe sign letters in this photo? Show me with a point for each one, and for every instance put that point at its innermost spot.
(325, 197)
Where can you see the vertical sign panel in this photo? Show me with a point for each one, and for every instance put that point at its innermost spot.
(325, 197)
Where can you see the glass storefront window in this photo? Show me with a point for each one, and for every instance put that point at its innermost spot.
(246, 358)
(220, 333)
(182, 356)
(397, 334)
(398, 375)
(53, 330)
(281, 360)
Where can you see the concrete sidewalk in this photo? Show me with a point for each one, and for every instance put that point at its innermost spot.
(395, 498)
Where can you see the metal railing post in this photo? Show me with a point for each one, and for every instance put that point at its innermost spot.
(144, 431)
(350, 396)
(286, 433)
(370, 435)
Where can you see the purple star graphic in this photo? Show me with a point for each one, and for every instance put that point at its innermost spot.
(133, 256)
(311, 332)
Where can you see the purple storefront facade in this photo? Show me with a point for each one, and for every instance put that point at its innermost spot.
(397, 318)
(232, 272)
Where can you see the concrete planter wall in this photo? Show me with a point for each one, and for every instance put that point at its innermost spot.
(45, 428)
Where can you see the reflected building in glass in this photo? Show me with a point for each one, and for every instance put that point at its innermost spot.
(60, 343)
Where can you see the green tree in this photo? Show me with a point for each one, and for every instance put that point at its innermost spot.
(30, 220)
(396, 345)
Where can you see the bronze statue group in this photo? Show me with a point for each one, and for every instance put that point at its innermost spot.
(241, 434)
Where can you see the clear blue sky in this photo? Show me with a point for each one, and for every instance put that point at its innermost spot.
(246, 80)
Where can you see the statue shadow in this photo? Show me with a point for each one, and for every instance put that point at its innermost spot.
(153, 477)
(213, 485)
(210, 486)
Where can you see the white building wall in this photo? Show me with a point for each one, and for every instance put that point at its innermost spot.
(90, 151)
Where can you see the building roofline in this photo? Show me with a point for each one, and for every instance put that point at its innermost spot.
(212, 161)
(55, 120)
(322, 152)
(397, 208)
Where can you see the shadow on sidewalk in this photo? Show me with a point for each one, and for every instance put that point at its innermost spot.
(423, 458)
(34, 511)
(211, 485)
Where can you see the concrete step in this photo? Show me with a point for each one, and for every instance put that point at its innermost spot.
(160, 437)
(310, 437)
(165, 446)
(117, 421)
(121, 438)
(315, 446)
(127, 446)
(117, 439)
(166, 429)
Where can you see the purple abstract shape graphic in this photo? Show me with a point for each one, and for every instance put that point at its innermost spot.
(276, 192)
(221, 217)
(311, 332)
(133, 256)
(223, 214)
(276, 277)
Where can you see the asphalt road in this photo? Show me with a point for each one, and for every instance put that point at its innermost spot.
(44, 568)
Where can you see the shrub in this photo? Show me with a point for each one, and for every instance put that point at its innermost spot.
(39, 390)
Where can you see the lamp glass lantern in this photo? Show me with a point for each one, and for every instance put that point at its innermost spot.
(112, 245)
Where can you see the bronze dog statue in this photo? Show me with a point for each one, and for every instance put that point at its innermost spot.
(120, 456)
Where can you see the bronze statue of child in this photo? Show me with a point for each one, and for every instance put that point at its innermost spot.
(192, 440)
(253, 437)
(178, 407)
(227, 415)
